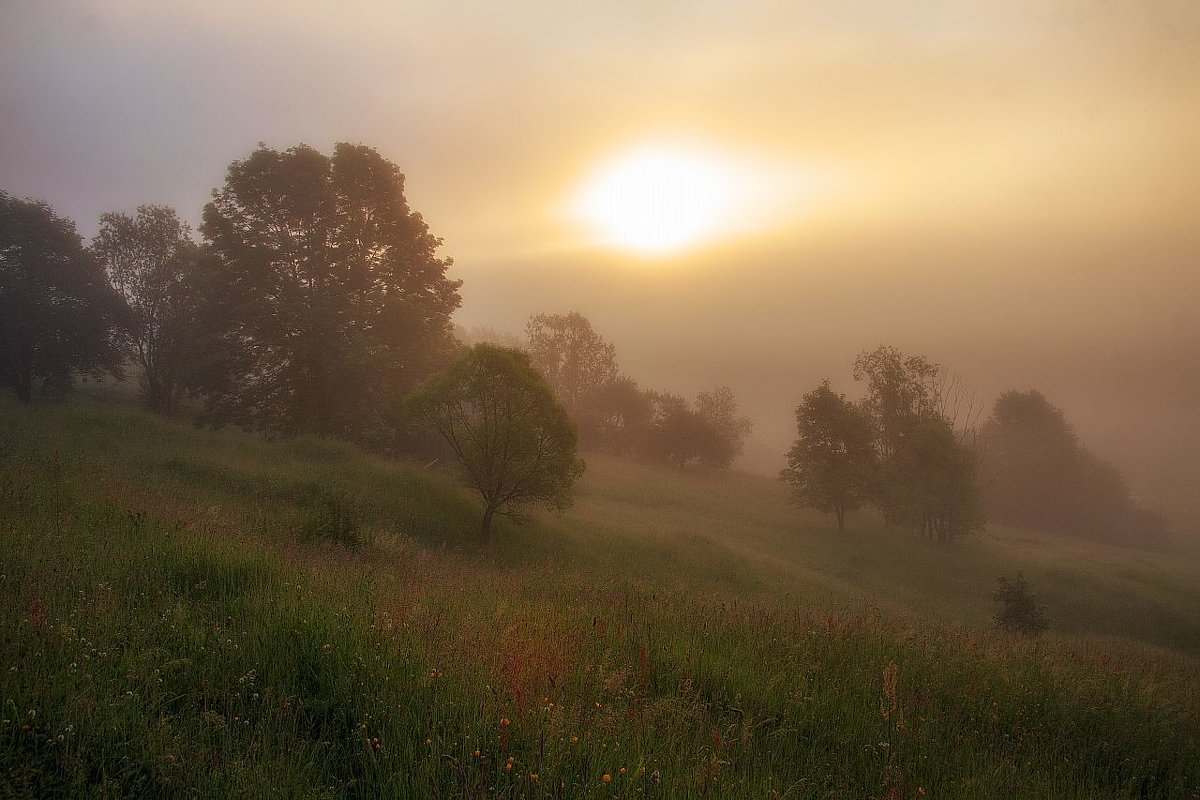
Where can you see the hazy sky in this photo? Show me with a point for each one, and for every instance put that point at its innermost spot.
(1011, 188)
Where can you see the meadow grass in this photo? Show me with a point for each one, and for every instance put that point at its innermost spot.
(209, 614)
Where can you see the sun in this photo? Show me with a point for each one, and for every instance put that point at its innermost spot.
(660, 199)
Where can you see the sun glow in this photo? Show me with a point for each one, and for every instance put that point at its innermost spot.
(657, 200)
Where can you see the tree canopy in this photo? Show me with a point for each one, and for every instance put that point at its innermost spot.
(896, 448)
(575, 360)
(151, 260)
(1041, 476)
(902, 391)
(514, 440)
(709, 433)
(58, 314)
(326, 302)
(831, 466)
(936, 482)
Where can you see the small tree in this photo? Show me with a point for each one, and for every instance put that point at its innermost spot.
(150, 259)
(501, 419)
(58, 315)
(830, 466)
(1020, 612)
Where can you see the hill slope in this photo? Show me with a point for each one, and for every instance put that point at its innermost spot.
(178, 615)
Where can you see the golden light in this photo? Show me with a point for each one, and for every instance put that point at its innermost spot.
(659, 199)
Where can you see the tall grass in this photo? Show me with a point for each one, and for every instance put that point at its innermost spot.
(171, 626)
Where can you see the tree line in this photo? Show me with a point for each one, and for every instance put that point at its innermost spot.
(316, 303)
(910, 448)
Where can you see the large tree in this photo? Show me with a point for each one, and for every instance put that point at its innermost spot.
(1033, 459)
(832, 463)
(58, 314)
(327, 302)
(727, 429)
(151, 260)
(936, 481)
(1042, 476)
(576, 360)
(902, 392)
(514, 440)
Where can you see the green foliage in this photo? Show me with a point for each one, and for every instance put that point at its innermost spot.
(58, 314)
(151, 261)
(832, 464)
(172, 632)
(1021, 612)
(902, 391)
(936, 482)
(326, 302)
(501, 419)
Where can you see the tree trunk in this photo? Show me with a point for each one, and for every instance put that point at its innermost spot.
(486, 532)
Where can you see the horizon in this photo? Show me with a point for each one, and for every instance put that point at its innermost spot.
(1005, 189)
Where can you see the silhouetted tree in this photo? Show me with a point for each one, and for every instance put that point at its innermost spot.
(327, 303)
(936, 482)
(615, 417)
(901, 392)
(675, 433)
(727, 429)
(58, 314)
(1041, 476)
(832, 463)
(503, 422)
(1033, 457)
(151, 260)
(710, 434)
(1020, 610)
(575, 360)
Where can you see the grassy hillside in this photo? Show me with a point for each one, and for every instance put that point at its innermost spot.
(210, 614)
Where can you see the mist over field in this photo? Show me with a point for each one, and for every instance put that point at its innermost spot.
(1005, 188)
(542, 400)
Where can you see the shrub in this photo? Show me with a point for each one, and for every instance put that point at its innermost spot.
(1021, 612)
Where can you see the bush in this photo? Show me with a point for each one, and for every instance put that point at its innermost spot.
(333, 516)
(1021, 612)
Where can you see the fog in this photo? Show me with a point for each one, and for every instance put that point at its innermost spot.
(1007, 189)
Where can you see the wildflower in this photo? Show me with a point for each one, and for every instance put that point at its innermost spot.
(607, 778)
(621, 771)
(476, 754)
(574, 740)
(533, 777)
(508, 767)
(504, 723)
